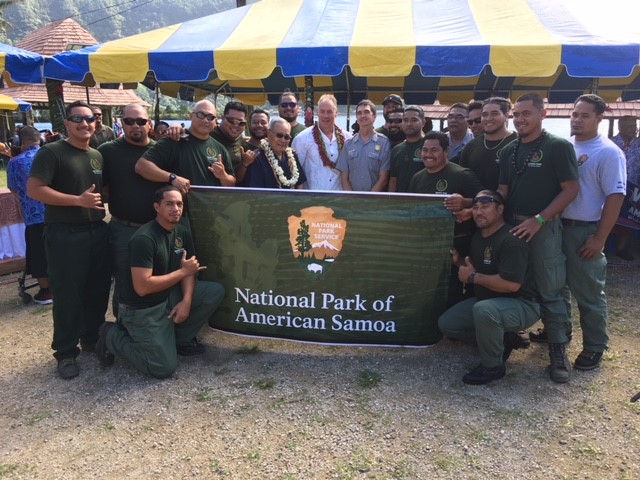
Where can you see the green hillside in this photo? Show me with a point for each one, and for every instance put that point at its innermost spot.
(105, 19)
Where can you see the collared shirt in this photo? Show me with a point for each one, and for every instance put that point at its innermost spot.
(17, 176)
(319, 177)
(632, 154)
(455, 150)
(364, 160)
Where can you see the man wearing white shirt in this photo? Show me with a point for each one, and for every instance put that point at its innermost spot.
(587, 222)
(318, 147)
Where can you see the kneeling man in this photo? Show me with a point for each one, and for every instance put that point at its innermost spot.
(162, 306)
(505, 301)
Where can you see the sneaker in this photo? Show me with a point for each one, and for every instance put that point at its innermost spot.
(43, 297)
(512, 341)
(105, 357)
(588, 360)
(68, 368)
(194, 347)
(540, 336)
(625, 255)
(482, 375)
(559, 368)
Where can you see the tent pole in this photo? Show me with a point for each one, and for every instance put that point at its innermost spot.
(308, 101)
(346, 75)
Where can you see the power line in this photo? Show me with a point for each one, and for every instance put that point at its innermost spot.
(80, 14)
(120, 12)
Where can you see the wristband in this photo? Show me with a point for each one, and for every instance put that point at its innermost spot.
(540, 220)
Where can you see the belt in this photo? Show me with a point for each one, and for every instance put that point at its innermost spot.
(567, 222)
(520, 218)
(528, 298)
(126, 222)
(122, 307)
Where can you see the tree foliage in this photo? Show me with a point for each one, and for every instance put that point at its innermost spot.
(105, 19)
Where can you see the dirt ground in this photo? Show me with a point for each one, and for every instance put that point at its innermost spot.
(261, 409)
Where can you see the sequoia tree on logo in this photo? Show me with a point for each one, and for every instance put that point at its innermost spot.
(316, 239)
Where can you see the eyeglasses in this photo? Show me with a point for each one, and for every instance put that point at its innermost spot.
(286, 136)
(457, 117)
(209, 116)
(396, 121)
(485, 200)
(477, 121)
(235, 122)
(288, 104)
(138, 121)
(80, 118)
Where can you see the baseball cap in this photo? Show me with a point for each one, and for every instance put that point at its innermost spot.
(394, 99)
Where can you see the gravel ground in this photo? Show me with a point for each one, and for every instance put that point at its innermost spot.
(262, 409)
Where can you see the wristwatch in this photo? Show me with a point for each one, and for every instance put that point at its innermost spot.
(172, 177)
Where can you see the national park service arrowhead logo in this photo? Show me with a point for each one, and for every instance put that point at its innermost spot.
(316, 239)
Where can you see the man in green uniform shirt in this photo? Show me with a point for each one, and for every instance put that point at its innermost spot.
(504, 301)
(539, 179)
(406, 158)
(130, 195)
(195, 159)
(163, 306)
(67, 177)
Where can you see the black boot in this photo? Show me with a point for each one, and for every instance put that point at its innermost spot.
(560, 367)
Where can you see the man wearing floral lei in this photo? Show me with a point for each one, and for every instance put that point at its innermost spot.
(274, 165)
(318, 147)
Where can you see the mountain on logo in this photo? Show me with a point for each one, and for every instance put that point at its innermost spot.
(326, 245)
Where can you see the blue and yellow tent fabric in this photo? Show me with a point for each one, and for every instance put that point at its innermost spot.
(8, 103)
(21, 65)
(423, 49)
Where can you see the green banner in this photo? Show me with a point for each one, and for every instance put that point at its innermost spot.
(339, 268)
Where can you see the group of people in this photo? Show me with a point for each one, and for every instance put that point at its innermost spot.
(532, 214)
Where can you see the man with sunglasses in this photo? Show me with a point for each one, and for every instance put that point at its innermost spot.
(393, 124)
(505, 300)
(391, 103)
(67, 177)
(195, 158)
(475, 118)
(230, 129)
(458, 129)
(103, 133)
(130, 196)
(289, 110)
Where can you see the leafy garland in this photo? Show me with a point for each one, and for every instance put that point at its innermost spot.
(277, 169)
(514, 154)
(322, 148)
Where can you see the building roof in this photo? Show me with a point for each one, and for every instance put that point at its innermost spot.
(100, 97)
(57, 37)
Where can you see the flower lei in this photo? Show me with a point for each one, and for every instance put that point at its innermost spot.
(322, 148)
(277, 169)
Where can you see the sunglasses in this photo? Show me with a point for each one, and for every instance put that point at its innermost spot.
(396, 121)
(288, 104)
(477, 200)
(209, 116)
(138, 121)
(286, 136)
(97, 114)
(477, 121)
(80, 118)
(235, 122)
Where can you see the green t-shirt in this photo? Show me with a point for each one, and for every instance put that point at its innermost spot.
(190, 158)
(534, 188)
(130, 195)
(406, 161)
(297, 129)
(151, 246)
(69, 170)
(485, 161)
(503, 254)
(233, 146)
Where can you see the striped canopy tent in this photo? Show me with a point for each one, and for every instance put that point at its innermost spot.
(425, 50)
(8, 103)
(20, 66)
